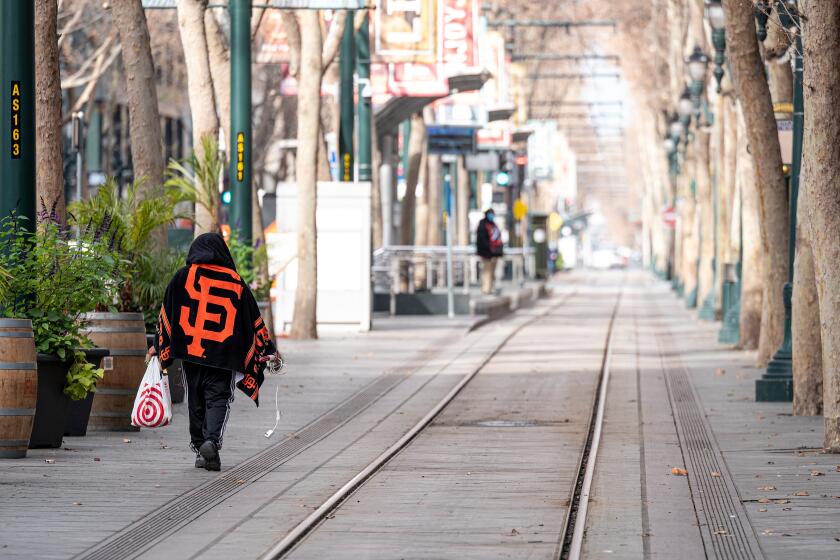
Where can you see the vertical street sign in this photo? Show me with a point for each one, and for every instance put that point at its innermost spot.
(17, 91)
(240, 118)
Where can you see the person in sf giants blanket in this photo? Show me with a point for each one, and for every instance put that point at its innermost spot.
(210, 320)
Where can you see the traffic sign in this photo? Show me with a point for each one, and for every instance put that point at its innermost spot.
(555, 222)
(520, 209)
(669, 217)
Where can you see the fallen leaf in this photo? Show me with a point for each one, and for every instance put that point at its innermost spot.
(720, 371)
(801, 493)
(240, 481)
(97, 459)
(766, 488)
(126, 440)
(164, 446)
(787, 509)
(762, 510)
(49, 461)
(715, 474)
(817, 473)
(782, 501)
(720, 532)
(513, 532)
(676, 471)
(77, 503)
(838, 468)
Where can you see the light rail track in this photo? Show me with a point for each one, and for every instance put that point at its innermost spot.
(571, 538)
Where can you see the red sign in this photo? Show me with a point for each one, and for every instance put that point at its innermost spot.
(457, 35)
(493, 138)
(669, 217)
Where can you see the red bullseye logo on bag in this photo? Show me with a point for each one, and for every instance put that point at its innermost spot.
(151, 412)
(207, 325)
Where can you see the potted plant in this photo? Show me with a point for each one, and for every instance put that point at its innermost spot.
(55, 275)
(139, 217)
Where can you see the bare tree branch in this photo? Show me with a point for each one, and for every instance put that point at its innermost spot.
(293, 33)
(333, 40)
(79, 79)
(102, 65)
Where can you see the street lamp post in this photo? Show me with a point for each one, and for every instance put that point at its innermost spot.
(17, 80)
(717, 20)
(777, 382)
(240, 117)
(697, 64)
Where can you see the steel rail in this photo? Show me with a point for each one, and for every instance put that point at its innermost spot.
(306, 526)
(571, 543)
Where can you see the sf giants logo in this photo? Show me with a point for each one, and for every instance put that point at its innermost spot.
(199, 331)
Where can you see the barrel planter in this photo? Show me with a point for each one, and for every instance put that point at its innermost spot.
(18, 386)
(77, 413)
(124, 335)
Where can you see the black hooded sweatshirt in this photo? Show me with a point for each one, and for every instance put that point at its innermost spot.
(210, 317)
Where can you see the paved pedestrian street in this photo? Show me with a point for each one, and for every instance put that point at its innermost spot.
(688, 465)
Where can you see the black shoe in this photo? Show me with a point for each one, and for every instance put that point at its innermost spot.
(209, 451)
(199, 461)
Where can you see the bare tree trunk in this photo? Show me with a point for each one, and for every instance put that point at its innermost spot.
(49, 158)
(219, 56)
(807, 341)
(463, 204)
(433, 199)
(416, 143)
(375, 193)
(753, 256)
(706, 221)
(820, 177)
(304, 322)
(416, 153)
(754, 94)
(202, 97)
(729, 235)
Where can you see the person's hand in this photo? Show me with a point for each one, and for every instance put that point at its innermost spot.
(275, 356)
(152, 351)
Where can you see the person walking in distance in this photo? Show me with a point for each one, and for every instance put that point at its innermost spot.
(489, 246)
(211, 321)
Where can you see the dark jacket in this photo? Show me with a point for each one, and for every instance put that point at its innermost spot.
(488, 240)
(210, 317)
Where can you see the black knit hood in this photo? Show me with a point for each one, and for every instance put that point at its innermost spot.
(210, 248)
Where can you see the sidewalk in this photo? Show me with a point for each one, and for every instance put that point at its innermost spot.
(758, 484)
(56, 503)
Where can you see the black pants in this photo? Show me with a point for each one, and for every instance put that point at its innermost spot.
(210, 392)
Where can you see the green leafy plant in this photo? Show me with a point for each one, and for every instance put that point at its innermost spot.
(54, 276)
(134, 218)
(249, 260)
(151, 277)
(197, 179)
(82, 378)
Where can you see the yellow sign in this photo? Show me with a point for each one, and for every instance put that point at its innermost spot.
(555, 222)
(519, 209)
(16, 146)
(240, 157)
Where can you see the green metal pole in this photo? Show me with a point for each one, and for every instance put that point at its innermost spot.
(17, 81)
(240, 117)
(347, 63)
(365, 152)
(776, 385)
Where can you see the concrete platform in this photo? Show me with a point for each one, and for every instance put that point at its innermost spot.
(490, 478)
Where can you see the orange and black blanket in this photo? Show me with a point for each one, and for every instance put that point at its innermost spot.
(209, 316)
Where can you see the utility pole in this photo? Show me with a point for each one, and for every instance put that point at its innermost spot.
(365, 153)
(17, 82)
(347, 63)
(240, 117)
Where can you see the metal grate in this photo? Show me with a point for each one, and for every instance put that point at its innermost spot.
(727, 535)
(141, 535)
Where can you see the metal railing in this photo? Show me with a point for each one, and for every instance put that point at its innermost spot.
(401, 269)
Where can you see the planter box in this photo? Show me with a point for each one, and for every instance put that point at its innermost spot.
(18, 386)
(78, 412)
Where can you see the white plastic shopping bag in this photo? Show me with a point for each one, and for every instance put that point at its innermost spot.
(153, 404)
